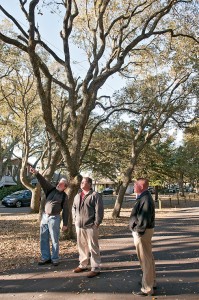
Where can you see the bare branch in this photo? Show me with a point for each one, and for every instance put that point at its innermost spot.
(32, 26)
(13, 42)
(175, 34)
(67, 28)
(50, 51)
(100, 122)
(14, 21)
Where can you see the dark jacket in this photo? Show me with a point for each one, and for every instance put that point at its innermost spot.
(56, 201)
(143, 213)
(89, 211)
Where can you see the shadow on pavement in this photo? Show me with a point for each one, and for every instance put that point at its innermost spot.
(176, 252)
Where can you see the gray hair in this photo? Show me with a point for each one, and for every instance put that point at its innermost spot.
(65, 181)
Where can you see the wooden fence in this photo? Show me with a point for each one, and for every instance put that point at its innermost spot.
(164, 201)
(176, 200)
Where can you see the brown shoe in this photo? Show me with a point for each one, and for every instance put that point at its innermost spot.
(93, 274)
(79, 270)
(154, 287)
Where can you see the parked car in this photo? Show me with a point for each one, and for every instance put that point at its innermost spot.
(189, 189)
(108, 191)
(173, 190)
(151, 190)
(18, 199)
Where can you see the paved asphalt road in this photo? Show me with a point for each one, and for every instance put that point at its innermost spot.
(13, 210)
(176, 251)
(108, 202)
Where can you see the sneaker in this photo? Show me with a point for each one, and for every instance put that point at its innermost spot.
(44, 262)
(79, 270)
(55, 263)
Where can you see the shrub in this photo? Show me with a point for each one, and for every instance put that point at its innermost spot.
(4, 191)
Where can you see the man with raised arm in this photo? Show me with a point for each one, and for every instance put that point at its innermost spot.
(56, 202)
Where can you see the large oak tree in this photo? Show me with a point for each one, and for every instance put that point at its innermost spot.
(112, 34)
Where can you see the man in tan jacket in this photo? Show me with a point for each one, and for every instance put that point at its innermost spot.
(88, 214)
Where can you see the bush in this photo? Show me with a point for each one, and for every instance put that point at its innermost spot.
(4, 191)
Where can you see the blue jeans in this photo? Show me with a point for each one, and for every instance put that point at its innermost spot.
(49, 229)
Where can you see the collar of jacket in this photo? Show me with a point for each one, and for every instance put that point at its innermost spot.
(81, 202)
(146, 192)
(90, 192)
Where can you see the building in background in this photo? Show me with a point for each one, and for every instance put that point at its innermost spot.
(7, 180)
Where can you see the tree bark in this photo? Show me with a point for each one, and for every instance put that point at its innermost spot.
(156, 193)
(119, 200)
(35, 201)
(71, 192)
(181, 187)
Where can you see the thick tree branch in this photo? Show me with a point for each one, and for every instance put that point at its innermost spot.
(67, 29)
(32, 6)
(13, 42)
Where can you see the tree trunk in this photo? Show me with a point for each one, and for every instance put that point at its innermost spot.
(181, 187)
(197, 187)
(35, 201)
(127, 176)
(71, 192)
(156, 193)
(1, 161)
(70, 233)
(118, 187)
(119, 200)
(42, 203)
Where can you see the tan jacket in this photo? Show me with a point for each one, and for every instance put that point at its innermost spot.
(89, 211)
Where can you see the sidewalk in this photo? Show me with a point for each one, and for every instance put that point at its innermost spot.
(175, 248)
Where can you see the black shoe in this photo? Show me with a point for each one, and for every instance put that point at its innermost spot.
(44, 262)
(143, 294)
(55, 264)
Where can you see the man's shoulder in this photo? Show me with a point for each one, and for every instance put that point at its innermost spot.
(65, 195)
(97, 198)
(50, 191)
(77, 196)
(96, 194)
(145, 194)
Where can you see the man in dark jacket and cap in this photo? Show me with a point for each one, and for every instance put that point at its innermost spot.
(56, 202)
